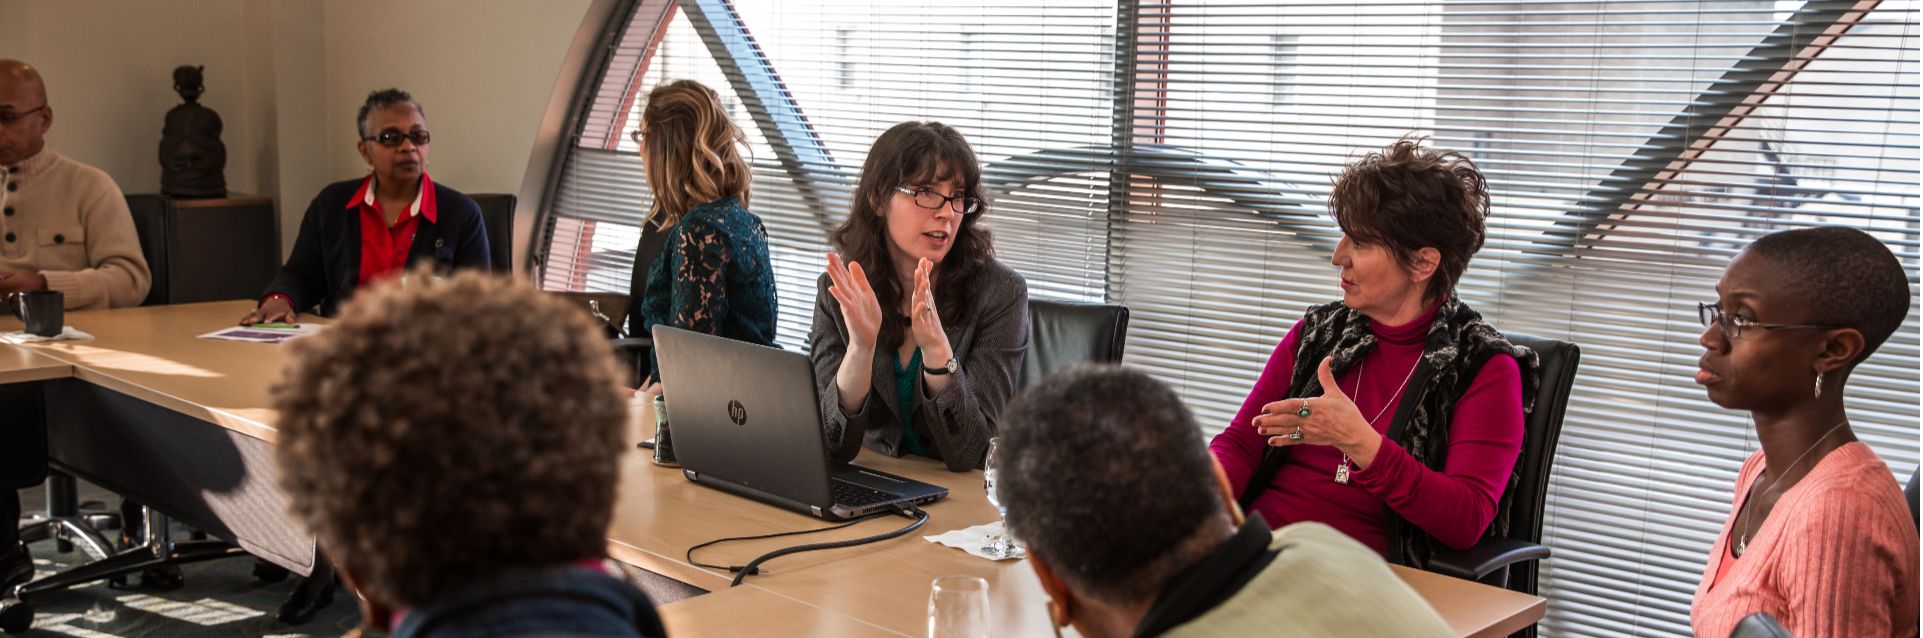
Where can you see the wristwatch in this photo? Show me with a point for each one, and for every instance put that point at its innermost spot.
(944, 370)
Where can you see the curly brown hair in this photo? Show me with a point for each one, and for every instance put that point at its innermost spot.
(444, 430)
(1408, 197)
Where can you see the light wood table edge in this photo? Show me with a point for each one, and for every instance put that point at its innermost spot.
(186, 407)
(725, 612)
(670, 566)
(44, 368)
(1437, 588)
(1528, 618)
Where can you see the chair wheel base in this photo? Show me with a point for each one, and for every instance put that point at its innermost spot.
(15, 615)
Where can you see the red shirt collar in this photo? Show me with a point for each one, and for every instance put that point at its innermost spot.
(424, 204)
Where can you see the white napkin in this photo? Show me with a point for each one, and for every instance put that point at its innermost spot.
(970, 539)
(68, 333)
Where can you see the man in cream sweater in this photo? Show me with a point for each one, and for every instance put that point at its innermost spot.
(1133, 532)
(63, 225)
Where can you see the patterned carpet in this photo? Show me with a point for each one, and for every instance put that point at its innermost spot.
(220, 598)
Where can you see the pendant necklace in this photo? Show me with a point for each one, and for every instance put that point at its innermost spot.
(1342, 469)
(1742, 540)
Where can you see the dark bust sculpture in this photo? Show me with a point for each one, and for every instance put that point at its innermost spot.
(192, 159)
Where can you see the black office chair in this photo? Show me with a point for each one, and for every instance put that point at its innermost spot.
(67, 524)
(497, 212)
(1064, 333)
(1759, 625)
(150, 226)
(634, 346)
(1910, 491)
(1512, 562)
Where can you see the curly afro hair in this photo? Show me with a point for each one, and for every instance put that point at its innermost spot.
(443, 430)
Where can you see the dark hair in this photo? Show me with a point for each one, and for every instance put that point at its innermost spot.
(1106, 478)
(1843, 277)
(914, 153)
(475, 401)
(1407, 198)
(382, 99)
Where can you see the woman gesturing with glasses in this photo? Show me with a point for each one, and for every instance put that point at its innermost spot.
(361, 231)
(919, 332)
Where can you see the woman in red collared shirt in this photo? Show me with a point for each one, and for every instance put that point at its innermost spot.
(361, 231)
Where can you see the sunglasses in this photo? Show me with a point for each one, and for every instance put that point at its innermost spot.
(392, 138)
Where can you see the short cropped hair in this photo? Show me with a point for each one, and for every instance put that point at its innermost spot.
(382, 99)
(442, 431)
(1105, 476)
(1408, 197)
(1843, 277)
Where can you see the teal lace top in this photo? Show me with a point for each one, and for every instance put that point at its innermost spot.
(713, 276)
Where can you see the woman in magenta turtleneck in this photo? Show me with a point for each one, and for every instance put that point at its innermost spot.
(1396, 414)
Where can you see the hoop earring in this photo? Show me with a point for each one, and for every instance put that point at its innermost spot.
(1819, 384)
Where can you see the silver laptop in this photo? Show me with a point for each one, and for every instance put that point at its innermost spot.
(746, 420)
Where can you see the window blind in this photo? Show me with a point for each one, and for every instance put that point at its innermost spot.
(1029, 85)
(1176, 156)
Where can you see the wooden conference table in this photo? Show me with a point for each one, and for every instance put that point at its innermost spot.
(147, 375)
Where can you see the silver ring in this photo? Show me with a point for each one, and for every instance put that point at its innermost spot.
(1296, 435)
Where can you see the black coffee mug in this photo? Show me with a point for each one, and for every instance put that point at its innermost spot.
(43, 311)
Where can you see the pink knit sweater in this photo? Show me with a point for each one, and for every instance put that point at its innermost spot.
(1836, 557)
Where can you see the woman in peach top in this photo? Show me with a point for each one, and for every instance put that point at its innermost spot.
(1819, 536)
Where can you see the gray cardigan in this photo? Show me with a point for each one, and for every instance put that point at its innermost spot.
(989, 340)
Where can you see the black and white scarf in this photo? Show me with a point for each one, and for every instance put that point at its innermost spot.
(1458, 344)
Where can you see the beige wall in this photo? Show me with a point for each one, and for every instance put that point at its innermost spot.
(287, 76)
(109, 72)
(482, 69)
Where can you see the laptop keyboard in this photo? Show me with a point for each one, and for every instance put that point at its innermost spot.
(853, 495)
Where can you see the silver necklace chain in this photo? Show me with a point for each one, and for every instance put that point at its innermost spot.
(1342, 470)
(1747, 515)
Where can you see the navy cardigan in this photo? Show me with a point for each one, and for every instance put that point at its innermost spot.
(326, 262)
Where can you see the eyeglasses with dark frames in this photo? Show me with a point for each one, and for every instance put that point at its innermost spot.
(1734, 326)
(8, 118)
(932, 200)
(392, 138)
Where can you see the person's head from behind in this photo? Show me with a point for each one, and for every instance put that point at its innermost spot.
(919, 197)
(1411, 219)
(1794, 305)
(1108, 482)
(25, 115)
(690, 150)
(446, 430)
(393, 136)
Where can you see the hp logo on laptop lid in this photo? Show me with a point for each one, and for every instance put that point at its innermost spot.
(737, 412)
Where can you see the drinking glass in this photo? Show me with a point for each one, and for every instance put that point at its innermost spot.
(1000, 545)
(958, 607)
